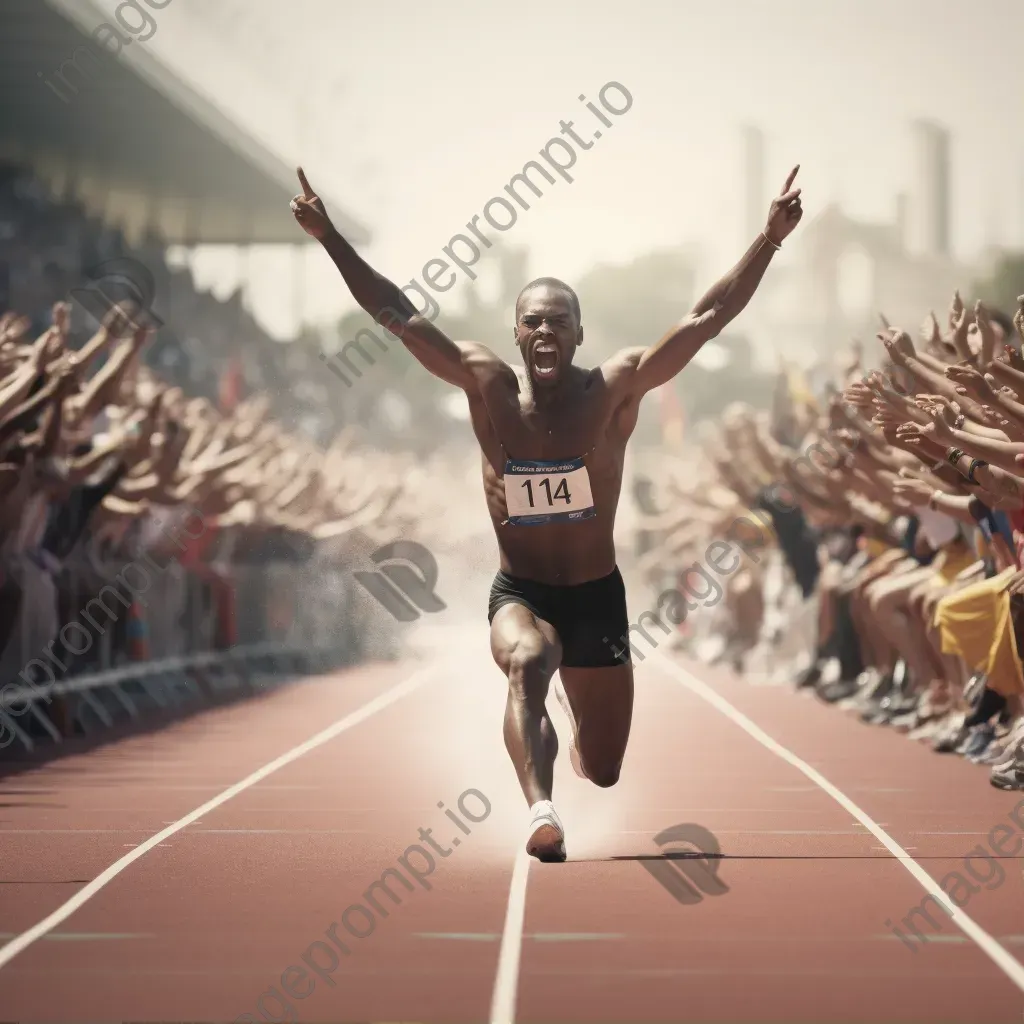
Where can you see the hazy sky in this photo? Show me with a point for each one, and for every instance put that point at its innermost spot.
(416, 114)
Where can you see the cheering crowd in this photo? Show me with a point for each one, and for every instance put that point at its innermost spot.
(897, 506)
(102, 465)
(153, 503)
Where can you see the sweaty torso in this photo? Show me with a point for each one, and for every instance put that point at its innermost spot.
(585, 422)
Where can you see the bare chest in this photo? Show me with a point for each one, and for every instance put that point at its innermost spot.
(516, 426)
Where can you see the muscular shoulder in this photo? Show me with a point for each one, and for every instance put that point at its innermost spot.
(619, 370)
(484, 364)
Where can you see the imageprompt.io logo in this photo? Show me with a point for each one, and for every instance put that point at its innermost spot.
(688, 870)
(405, 582)
(123, 283)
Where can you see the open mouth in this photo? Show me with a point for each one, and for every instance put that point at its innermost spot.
(545, 361)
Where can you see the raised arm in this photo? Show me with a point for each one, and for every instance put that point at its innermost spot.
(725, 301)
(386, 302)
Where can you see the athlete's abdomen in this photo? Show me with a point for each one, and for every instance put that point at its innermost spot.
(563, 552)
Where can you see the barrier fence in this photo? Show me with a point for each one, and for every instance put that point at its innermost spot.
(93, 642)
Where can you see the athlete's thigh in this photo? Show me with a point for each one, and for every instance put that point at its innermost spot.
(602, 703)
(517, 632)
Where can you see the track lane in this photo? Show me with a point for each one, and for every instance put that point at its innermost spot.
(201, 926)
(204, 923)
(802, 931)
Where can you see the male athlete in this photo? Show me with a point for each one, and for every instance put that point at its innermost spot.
(553, 437)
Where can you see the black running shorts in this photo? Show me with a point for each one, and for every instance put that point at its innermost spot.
(590, 618)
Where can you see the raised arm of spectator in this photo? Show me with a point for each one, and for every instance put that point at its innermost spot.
(1008, 455)
(30, 411)
(45, 439)
(901, 351)
(925, 362)
(992, 478)
(102, 388)
(919, 492)
(1004, 401)
(17, 387)
(960, 320)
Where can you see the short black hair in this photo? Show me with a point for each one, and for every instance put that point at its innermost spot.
(552, 282)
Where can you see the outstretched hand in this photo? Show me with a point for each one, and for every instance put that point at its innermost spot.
(897, 344)
(971, 382)
(785, 212)
(911, 488)
(309, 210)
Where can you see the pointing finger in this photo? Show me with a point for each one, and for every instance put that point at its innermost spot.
(307, 191)
(790, 179)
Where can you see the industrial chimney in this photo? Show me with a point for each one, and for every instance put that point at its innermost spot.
(930, 203)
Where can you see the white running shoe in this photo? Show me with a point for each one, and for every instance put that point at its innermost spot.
(574, 752)
(547, 837)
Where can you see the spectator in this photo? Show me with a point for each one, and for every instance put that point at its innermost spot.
(900, 511)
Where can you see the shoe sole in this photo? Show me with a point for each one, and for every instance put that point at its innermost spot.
(547, 844)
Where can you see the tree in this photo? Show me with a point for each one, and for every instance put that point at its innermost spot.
(635, 303)
(1005, 281)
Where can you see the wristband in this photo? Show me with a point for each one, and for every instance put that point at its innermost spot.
(954, 455)
(975, 464)
(770, 242)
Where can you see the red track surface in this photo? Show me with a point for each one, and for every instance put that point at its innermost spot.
(200, 926)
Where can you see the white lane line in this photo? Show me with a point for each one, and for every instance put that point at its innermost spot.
(506, 982)
(1003, 959)
(62, 913)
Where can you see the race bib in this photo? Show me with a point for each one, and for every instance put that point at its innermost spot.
(547, 492)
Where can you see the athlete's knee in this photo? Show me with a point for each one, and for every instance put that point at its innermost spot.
(529, 665)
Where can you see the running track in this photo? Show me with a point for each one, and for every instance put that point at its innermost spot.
(206, 918)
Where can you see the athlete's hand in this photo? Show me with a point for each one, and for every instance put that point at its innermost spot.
(785, 212)
(309, 210)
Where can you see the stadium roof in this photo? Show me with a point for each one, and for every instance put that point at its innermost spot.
(131, 141)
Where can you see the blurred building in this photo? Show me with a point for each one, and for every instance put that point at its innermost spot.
(928, 231)
(832, 286)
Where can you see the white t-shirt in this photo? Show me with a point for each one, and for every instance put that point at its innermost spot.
(938, 528)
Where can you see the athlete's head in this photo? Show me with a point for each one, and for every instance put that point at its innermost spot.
(548, 329)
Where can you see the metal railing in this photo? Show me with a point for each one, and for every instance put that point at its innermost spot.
(94, 642)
